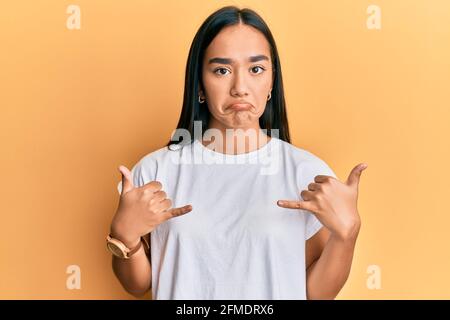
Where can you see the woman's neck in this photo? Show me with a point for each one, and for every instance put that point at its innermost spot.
(235, 140)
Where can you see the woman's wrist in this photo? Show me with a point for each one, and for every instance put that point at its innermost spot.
(128, 240)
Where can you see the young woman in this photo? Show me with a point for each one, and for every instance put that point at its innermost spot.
(234, 210)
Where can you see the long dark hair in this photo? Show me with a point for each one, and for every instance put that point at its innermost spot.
(274, 116)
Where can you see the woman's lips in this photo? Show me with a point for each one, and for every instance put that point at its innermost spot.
(240, 106)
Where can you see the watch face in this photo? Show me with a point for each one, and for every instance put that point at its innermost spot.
(115, 250)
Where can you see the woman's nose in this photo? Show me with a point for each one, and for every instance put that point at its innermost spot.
(239, 87)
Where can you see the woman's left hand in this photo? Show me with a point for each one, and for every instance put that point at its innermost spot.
(333, 202)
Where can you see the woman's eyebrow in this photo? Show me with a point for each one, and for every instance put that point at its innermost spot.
(231, 61)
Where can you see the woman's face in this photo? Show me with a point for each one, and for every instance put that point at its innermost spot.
(237, 68)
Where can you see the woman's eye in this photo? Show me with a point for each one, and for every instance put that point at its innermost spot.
(223, 71)
(220, 69)
(257, 68)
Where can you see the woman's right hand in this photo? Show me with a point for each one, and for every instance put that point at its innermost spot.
(141, 210)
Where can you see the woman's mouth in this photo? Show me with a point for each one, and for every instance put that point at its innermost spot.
(240, 106)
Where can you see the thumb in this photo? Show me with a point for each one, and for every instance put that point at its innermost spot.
(355, 174)
(127, 180)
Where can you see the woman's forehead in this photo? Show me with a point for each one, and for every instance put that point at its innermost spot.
(238, 42)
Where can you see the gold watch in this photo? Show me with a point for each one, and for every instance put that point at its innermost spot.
(119, 249)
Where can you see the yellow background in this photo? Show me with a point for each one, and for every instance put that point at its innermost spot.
(75, 104)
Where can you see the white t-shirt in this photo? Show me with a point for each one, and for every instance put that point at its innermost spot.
(236, 243)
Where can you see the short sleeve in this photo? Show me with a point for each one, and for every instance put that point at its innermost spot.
(141, 173)
(306, 172)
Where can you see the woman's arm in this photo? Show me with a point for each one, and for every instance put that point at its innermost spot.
(135, 274)
(327, 274)
(140, 210)
(334, 203)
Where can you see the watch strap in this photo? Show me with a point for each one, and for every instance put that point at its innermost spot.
(126, 252)
(135, 249)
